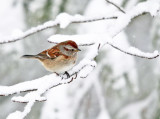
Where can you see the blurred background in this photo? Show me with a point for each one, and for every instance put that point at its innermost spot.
(121, 86)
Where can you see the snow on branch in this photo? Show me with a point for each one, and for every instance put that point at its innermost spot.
(119, 24)
(123, 20)
(48, 81)
(136, 52)
(36, 88)
(62, 20)
(41, 85)
(103, 39)
(81, 40)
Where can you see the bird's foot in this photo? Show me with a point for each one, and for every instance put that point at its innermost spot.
(64, 76)
(67, 74)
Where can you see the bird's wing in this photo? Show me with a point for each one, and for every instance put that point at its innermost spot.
(50, 53)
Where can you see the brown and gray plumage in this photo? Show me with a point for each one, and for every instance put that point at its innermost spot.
(60, 58)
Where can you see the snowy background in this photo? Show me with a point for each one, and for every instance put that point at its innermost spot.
(120, 87)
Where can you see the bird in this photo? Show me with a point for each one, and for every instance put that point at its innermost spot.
(58, 59)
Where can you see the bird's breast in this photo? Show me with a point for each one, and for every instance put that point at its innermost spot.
(59, 64)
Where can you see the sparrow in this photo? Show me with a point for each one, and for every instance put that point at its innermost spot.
(58, 59)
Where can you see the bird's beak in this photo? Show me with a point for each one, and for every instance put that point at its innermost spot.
(78, 50)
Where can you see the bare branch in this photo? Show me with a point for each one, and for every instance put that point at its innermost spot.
(99, 46)
(116, 6)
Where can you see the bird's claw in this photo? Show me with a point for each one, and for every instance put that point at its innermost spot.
(67, 74)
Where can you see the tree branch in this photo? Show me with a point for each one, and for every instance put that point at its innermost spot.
(39, 86)
(120, 9)
(35, 85)
(136, 52)
(56, 22)
(100, 40)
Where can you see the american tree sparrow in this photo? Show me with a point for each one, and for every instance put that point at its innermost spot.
(59, 59)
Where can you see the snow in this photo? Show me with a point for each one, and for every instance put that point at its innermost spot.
(95, 39)
(10, 19)
(86, 71)
(133, 110)
(102, 39)
(79, 39)
(15, 115)
(123, 20)
(119, 84)
(103, 115)
(86, 65)
(26, 99)
(137, 52)
(17, 33)
(150, 6)
(61, 109)
(64, 20)
(21, 115)
(40, 86)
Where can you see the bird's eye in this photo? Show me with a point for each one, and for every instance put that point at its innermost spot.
(72, 49)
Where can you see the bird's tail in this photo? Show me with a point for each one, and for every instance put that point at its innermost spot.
(30, 56)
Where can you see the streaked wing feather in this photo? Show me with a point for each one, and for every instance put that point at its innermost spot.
(50, 53)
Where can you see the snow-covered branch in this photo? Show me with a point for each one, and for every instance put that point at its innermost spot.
(38, 87)
(62, 20)
(151, 7)
(119, 24)
(104, 39)
(41, 85)
(53, 80)
(136, 52)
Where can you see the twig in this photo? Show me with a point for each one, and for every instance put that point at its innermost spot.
(151, 57)
(116, 6)
(99, 46)
(93, 20)
(86, 44)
